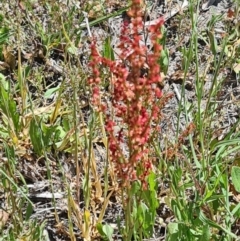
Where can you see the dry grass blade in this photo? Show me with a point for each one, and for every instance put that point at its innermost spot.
(4, 216)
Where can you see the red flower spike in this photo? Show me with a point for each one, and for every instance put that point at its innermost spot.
(134, 97)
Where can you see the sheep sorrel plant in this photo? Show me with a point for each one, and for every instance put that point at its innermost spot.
(135, 104)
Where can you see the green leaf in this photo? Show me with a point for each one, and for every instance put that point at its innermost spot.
(152, 181)
(135, 188)
(66, 124)
(36, 136)
(99, 227)
(72, 50)
(235, 174)
(223, 150)
(4, 101)
(29, 211)
(209, 222)
(49, 133)
(5, 84)
(213, 42)
(236, 211)
(206, 233)
(4, 34)
(108, 231)
(164, 61)
(107, 49)
(60, 133)
(14, 114)
(172, 228)
(50, 91)
(9, 108)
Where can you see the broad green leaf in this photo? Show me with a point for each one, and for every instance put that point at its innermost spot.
(66, 124)
(9, 108)
(4, 34)
(135, 188)
(173, 228)
(164, 61)
(206, 234)
(108, 231)
(213, 42)
(4, 103)
(107, 49)
(50, 91)
(152, 181)
(5, 84)
(48, 134)
(14, 114)
(236, 210)
(29, 211)
(99, 227)
(235, 174)
(36, 136)
(72, 50)
(59, 133)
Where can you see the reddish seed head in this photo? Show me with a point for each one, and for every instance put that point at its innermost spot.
(134, 96)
